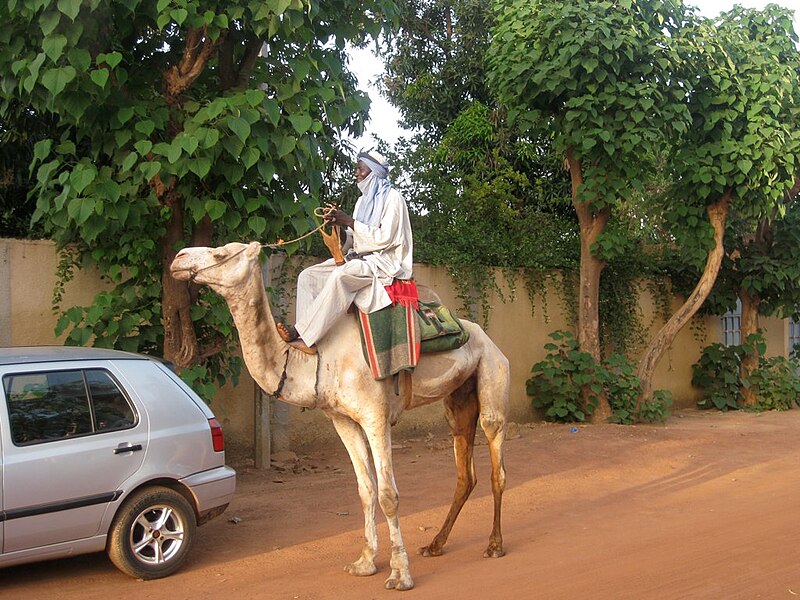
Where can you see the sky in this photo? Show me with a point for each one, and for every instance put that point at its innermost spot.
(384, 117)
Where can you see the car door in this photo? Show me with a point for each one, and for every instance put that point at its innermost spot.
(73, 437)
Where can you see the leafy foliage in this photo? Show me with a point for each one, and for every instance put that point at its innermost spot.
(180, 122)
(20, 129)
(558, 380)
(718, 374)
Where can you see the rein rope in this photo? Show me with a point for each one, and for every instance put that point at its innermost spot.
(320, 211)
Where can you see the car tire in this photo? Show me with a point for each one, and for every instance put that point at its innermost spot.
(152, 533)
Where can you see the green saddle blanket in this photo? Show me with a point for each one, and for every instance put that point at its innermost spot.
(393, 338)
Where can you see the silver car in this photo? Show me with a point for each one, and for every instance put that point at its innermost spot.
(105, 450)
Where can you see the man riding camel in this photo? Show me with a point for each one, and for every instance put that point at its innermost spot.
(379, 249)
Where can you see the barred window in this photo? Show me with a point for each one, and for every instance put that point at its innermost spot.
(732, 326)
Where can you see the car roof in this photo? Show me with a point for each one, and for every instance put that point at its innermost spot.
(35, 354)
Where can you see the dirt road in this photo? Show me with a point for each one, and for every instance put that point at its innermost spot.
(705, 506)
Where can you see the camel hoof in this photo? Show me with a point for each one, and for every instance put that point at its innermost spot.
(361, 568)
(494, 552)
(430, 551)
(401, 584)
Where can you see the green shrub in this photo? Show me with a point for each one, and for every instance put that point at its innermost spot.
(718, 374)
(557, 383)
(776, 383)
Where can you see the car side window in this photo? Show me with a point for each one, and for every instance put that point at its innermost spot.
(112, 411)
(54, 405)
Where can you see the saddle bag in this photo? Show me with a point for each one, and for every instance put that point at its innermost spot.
(439, 329)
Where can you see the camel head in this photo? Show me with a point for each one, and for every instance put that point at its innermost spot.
(229, 266)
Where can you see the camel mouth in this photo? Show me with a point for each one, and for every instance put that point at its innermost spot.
(180, 272)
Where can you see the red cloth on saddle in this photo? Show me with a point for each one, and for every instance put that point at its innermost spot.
(403, 292)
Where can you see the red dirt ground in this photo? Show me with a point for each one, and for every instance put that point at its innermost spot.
(705, 506)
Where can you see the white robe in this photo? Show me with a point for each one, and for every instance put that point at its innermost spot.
(325, 291)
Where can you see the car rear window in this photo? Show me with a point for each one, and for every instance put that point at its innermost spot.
(52, 405)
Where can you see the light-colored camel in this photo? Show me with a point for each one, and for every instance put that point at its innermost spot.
(472, 381)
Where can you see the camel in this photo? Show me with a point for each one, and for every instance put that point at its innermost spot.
(472, 382)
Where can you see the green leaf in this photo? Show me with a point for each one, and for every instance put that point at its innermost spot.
(285, 145)
(240, 127)
(301, 123)
(200, 166)
(257, 224)
(80, 59)
(178, 15)
(174, 152)
(273, 110)
(55, 80)
(215, 209)
(42, 149)
(254, 97)
(100, 77)
(146, 127)
(150, 169)
(211, 138)
(112, 59)
(53, 46)
(744, 165)
(80, 209)
(143, 147)
(81, 177)
(189, 143)
(249, 157)
(129, 161)
(71, 8)
(125, 114)
(49, 21)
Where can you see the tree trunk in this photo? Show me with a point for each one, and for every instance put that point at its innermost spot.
(592, 224)
(180, 341)
(717, 215)
(181, 346)
(749, 326)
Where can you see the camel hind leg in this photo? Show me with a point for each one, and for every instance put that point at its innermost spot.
(493, 392)
(461, 410)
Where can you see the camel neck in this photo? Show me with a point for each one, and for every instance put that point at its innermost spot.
(262, 348)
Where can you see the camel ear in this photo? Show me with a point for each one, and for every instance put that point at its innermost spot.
(253, 249)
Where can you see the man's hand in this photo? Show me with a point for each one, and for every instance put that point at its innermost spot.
(339, 217)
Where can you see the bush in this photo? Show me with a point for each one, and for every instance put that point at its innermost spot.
(718, 374)
(558, 381)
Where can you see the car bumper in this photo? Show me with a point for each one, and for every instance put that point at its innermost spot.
(212, 491)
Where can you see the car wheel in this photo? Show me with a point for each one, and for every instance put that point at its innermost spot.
(152, 533)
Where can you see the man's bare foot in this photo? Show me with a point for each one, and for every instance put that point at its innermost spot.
(292, 337)
(288, 334)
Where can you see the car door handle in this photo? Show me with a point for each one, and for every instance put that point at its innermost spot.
(129, 448)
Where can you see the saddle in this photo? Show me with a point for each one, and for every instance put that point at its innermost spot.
(393, 338)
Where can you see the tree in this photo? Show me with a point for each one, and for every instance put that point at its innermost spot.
(740, 151)
(179, 122)
(624, 84)
(600, 78)
(479, 193)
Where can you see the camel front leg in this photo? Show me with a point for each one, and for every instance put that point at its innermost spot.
(380, 440)
(352, 436)
(462, 416)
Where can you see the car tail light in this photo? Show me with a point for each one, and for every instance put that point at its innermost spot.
(217, 439)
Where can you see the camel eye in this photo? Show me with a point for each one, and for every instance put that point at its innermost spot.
(219, 254)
